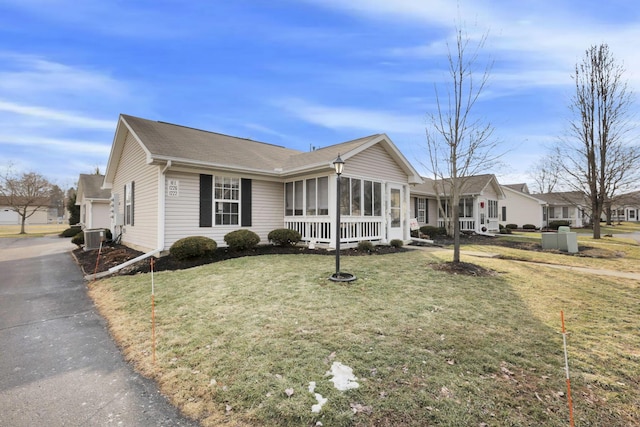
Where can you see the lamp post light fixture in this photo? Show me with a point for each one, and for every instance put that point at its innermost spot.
(339, 276)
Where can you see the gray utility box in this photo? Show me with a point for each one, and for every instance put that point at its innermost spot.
(93, 238)
(564, 240)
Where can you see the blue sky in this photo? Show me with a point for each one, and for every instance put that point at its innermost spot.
(296, 73)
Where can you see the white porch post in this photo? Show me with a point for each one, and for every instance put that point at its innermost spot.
(406, 231)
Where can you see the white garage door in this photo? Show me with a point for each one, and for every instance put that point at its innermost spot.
(9, 217)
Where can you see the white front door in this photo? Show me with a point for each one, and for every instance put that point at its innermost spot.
(395, 214)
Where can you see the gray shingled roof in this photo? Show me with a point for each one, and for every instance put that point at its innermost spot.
(473, 185)
(563, 198)
(169, 141)
(90, 186)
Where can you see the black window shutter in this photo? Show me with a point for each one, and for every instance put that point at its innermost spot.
(415, 207)
(206, 200)
(132, 200)
(245, 202)
(426, 211)
(124, 204)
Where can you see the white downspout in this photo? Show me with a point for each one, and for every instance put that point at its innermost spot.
(161, 217)
(162, 191)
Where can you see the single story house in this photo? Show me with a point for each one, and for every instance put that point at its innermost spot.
(169, 181)
(569, 206)
(478, 206)
(520, 208)
(627, 207)
(8, 215)
(93, 201)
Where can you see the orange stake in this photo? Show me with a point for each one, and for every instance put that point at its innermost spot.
(95, 271)
(153, 316)
(566, 367)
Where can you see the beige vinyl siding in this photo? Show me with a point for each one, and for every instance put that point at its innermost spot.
(376, 164)
(521, 209)
(182, 213)
(268, 207)
(132, 166)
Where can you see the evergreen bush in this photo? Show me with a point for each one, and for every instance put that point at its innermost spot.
(193, 247)
(284, 237)
(243, 239)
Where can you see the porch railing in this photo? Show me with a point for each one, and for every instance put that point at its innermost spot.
(465, 224)
(351, 229)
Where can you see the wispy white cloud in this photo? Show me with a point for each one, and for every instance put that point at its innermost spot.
(57, 144)
(61, 117)
(27, 76)
(369, 120)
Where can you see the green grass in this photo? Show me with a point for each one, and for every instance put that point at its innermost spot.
(428, 348)
(36, 230)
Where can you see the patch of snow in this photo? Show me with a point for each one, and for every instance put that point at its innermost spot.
(312, 386)
(321, 401)
(343, 378)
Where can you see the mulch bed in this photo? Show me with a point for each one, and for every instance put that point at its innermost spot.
(113, 255)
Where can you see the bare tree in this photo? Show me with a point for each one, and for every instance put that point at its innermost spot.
(459, 143)
(25, 194)
(598, 154)
(545, 174)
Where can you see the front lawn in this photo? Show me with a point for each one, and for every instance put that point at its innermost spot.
(240, 341)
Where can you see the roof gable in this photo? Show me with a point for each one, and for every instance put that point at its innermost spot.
(473, 185)
(90, 187)
(183, 145)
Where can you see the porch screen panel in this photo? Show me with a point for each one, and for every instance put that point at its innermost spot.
(288, 198)
(323, 196)
(356, 197)
(368, 198)
(298, 193)
(377, 198)
(345, 196)
(311, 196)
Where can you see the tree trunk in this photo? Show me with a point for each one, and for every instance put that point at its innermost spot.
(22, 221)
(456, 234)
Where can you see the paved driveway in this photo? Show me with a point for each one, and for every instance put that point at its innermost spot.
(58, 365)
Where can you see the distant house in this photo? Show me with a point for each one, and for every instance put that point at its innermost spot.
(93, 202)
(626, 207)
(8, 216)
(569, 206)
(478, 207)
(520, 208)
(170, 181)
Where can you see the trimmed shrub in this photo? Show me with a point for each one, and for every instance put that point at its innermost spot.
(240, 240)
(78, 239)
(553, 225)
(432, 231)
(193, 247)
(70, 232)
(505, 230)
(365, 246)
(512, 226)
(396, 243)
(529, 227)
(284, 237)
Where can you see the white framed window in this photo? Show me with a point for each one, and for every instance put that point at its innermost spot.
(129, 189)
(317, 196)
(421, 210)
(226, 200)
(493, 208)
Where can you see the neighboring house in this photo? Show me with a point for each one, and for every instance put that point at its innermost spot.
(8, 216)
(478, 207)
(93, 202)
(626, 207)
(170, 182)
(519, 207)
(569, 206)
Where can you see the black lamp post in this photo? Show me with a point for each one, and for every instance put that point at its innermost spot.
(339, 276)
